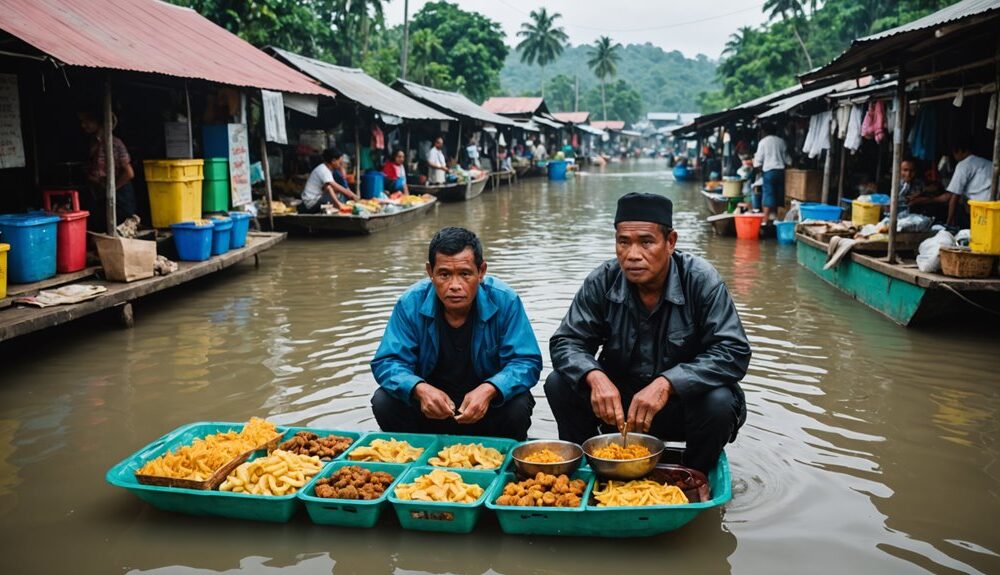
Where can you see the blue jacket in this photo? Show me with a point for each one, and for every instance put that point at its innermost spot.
(504, 349)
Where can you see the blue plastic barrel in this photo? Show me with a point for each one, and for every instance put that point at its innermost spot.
(786, 232)
(193, 240)
(32, 239)
(557, 170)
(372, 185)
(241, 226)
(222, 233)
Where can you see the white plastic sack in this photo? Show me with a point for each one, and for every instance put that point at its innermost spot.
(914, 223)
(928, 256)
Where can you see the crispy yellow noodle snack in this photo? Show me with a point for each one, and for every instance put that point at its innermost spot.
(386, 451)
(439, 485)
(469, 456)
(638, 492)
(206, 455)
(281, 473)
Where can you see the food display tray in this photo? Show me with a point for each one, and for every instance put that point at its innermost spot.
(427, 441)
(440, 516)
(504, 446)
(355, 436)
(518, 520)
(350, 512)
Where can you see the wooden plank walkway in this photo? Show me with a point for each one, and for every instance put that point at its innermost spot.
(21, 320)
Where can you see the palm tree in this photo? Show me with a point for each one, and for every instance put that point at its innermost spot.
(603, 61)
(425, 49)
(542, 41)
(737, 41)
(792, 11)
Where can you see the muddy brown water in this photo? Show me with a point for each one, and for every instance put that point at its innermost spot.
(869, 448)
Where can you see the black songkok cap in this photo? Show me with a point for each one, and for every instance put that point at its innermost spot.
(643, 207)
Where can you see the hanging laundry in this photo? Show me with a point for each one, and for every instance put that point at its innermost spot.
(818, 138)
(991, 116)
(873, 126)
(852, 141)
(923, 134)
(378, 138)
(843, 117)
(890, 117)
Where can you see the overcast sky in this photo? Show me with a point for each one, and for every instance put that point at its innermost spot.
(693, 27)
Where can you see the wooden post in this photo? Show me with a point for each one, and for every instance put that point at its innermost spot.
(109, 160)
(994, 183)
(265, 164)
(357, 154)
(898, 137)
(840, 176)
(828, 169)
(458, 144)
(187, 102)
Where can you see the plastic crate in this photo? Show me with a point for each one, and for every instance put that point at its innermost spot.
(222, 231)
(427, 442)
(442, 517)
(350, 512)
(503, 445)
(193, 240)
(863, 213)
(241, 226)
(32, 240)
(173, 202)
(984, 220)
(354, 435)
(822, 212)
(516, 520)
(173, 170)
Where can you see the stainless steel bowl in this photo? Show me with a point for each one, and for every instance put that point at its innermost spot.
(571, 452)
(626, 469)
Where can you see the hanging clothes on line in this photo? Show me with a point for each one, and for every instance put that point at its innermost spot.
(873, 126)
(923, 134)
(991, 115)
(378, 138)
(852, 141)
(818, 138)
(842, 118)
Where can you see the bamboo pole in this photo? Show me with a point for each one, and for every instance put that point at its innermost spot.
(840, 177)
(265, 164)
(898, 137)
(357, 156)
(458, 144)
(109, 160)
(828, 168)
(994, 183)
(187, 103)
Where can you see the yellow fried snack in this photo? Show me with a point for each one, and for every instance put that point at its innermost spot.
(544, 456)
(439, 485)
(281, 473)
(206, 455)
(468, 456)
(386, 451)
(616, 451)
(638, 493)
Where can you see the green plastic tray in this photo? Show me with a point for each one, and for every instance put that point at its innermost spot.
(427, 441)
(443, 517)
(503, 445)
(355, 435)
(350, 512)
(517, 520)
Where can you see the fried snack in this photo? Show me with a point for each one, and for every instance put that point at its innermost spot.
(543, 491)
(544, 456)
(206, 455)
(386, 451)
(616, 451)
(468, 456)
(281, 473)
(353, 482)
(308, 443)
(638, 492)
(439, 485)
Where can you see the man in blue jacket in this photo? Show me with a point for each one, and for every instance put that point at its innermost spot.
(458, 355)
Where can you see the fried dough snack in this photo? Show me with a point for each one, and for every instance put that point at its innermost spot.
(386, 451)
(468, 456)
(544, 456)
(206, 455)
(439, 485)
(308, 443)
(281, 473)
(543, 491)
(616, 451)
(638, 492)
(353, 482)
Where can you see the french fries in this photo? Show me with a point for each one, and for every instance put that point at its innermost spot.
(386, 451)
(439, 485)
(198, 461)
(281, 473)
(638, 493)
(468, 456)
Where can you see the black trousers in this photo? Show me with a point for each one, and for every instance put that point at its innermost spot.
(511, 419)
(706, 423)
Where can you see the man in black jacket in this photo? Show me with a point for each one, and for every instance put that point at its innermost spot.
(673, 349)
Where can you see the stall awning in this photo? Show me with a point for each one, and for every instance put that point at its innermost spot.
(576, 118)
(790, 103)
(451, 103)
(147, 36)
(546, 122)
(527, 126)
(609, 125)
(355, 85)
(590, 129)
(515, 106)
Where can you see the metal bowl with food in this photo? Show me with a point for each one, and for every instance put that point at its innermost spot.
(623, 469)
(569, 456)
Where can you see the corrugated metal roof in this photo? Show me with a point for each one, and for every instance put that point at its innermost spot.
(957, 11)
(454, 103)
(508, 105)
(572, 117)
(546, 122)
(591, 130)
(609, 125)
(359, 87)
(792, 102)
(147, 36)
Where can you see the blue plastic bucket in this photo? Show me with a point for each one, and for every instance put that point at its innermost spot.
(786, 232)
(222, 232)
(822, 212)
(241, 226)
(557, 170)
(32, 239)
(372, 185)
(193, 240)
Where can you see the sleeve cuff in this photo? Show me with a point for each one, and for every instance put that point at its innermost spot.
(680, 382)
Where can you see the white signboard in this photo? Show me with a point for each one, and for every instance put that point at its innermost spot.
(11, 144)
(239, 165)
(274, 117)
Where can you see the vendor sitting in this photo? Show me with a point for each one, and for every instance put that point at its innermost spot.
(458, 355)
(919, 197)
(395, 173)
(327, 185)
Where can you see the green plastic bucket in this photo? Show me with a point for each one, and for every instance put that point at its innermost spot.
(425, 441)
(503, 445)
(215, 195)
(217, 169)
(442, 517)
(516, 520)
(350, 512)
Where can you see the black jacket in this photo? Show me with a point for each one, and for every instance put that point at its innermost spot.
(705, 345)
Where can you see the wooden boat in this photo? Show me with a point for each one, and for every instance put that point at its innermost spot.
(349, 224)
(684, 174)
(457, 192)
(901, 292)
(718, 206)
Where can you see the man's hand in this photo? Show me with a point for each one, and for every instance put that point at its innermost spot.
(476, 403)
(434, 403)
(605, 399)
(648, 402)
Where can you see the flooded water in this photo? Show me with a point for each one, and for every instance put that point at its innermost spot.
(869, 448)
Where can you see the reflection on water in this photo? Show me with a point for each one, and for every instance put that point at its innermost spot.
(868, 448)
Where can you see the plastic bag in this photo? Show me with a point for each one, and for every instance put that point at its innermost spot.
(914, 223)
(962, 238)
(928, 256)
(792, 215)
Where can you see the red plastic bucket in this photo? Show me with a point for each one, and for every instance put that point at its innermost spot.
(71, 232)
(748, 226)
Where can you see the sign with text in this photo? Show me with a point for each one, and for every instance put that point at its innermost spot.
(11, 143)
(239, 165)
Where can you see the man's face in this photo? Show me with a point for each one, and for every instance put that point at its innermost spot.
(456, 280)
(907, 171)
(438, 143)
(335, 163)
(88, 124)
(643, 252)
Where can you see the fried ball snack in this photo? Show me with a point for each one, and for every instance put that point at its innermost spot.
(308, 443)
(386, 451)
(638, 492)
(206, 455)
(468, 456)
(353, 482)
(544, 456)
(439, 485)
(281, 473)
(543, 491)
(616, 451)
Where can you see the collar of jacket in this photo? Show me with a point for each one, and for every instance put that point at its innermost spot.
(674, 293)
(485, 308)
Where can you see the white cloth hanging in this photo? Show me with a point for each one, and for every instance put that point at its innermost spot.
(991, 117)
(852, 141)
(843, 117)
(818, 138)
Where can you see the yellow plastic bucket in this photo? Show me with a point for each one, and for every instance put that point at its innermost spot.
(174, 170)
(985, 227)
(174, 202)
(4, 248)
(864, 213)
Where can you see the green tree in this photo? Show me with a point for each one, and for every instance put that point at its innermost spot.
(603, 61)
(791, 11)
(560, 93)
(425, 49)
(542, 41)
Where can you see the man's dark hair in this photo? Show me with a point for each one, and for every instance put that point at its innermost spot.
(912, 161)
(961, 143)
(331, 154)
(438, 137)
(769, 129)
(450, 241)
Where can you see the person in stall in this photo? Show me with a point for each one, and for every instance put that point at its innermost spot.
(97, 174)
(472, 152)
(971, 181)
(395, 173)
(772, 157)
(437, 163)
(919, 197)
(458, 355)
(539, 153)
(327, 184)
(506, 164)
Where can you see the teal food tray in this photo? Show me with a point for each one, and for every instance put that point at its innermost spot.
(504, 446)
(517, 520)
(349, 512)
(423, 440)
(444, 517)
(355, 436)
